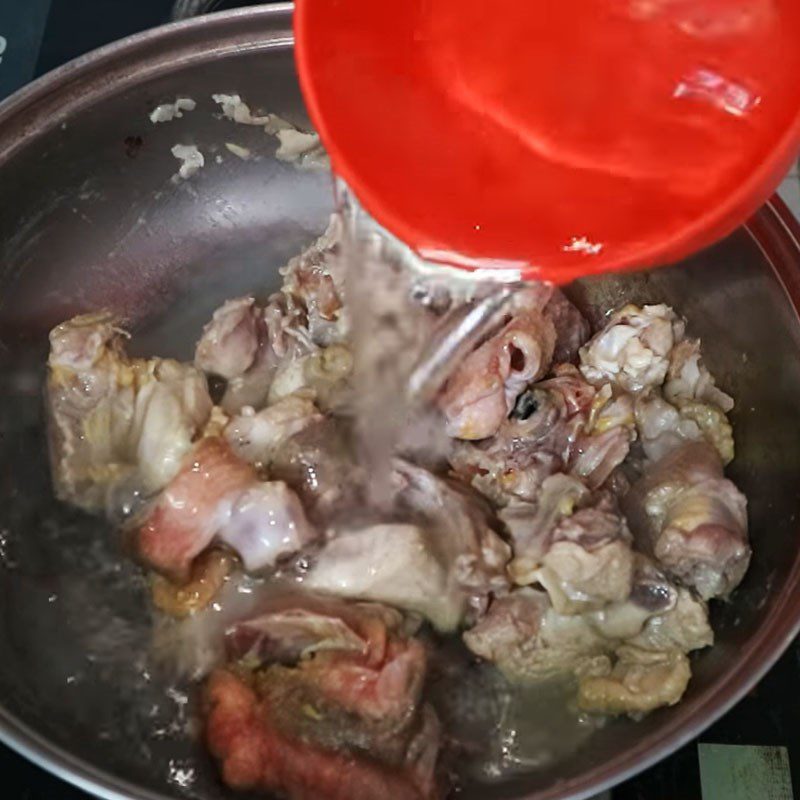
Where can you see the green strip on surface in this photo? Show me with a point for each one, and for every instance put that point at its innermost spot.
(737, 772)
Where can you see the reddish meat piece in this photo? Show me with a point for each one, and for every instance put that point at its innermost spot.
(216, 495)
(183, 522)
(255, 754)
(368, 689)
(345, 701)
(483, 389)
(363, 663)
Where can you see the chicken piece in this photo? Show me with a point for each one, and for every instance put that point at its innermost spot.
(218, 497)
(572, 328)
(633, 349)
(611, 408)
(484, 388)
(685, 627)
(322, 376)
(443, 563)
(657, 615)
(512, 465)
(573, 395)
(516, 481)
(692, 520)
(230, 342)
(576, 546)
(256, 436)
(529, 641)
(316, 288)
(663, 427)
(714, 426)
(319, 464)
(596, 456)
(590, 562)
(345, 704)
(264, 522)
(598, 426)
(558, 425)
(394, 564)
(640, 681)
(247, 345)
(688, 379)
(595, 428)
(532, 444)
(256, 348)
(314, 281)
(531, 524)
(119, 427)
(209, 572)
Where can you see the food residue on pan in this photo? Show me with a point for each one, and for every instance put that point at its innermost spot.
(240, 152)
(169, 111)
(190, 157)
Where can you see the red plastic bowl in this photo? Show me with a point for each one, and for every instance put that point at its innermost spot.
(570, 137)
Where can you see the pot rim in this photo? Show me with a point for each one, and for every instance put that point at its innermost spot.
(52, 98)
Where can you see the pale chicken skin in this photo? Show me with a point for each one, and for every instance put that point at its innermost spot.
(119, 427)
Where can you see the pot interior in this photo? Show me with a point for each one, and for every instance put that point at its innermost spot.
(91, 218)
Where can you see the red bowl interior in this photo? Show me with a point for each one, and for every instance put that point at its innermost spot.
(571, 138)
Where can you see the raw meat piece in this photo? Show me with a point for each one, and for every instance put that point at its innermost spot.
(557, 425)
(119, 427)
(443, 564)
(483, 390)
(218, 497)
(340, 717)
(692, 520)
(529, 641)
(688, 378)
(640, 681)
(633, 349)
(664, 427)
(257, 436)
(254, 754)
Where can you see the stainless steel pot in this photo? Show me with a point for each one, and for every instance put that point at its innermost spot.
(89, 217)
